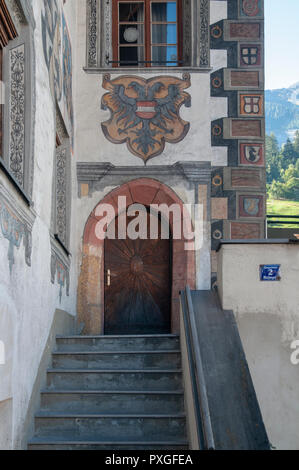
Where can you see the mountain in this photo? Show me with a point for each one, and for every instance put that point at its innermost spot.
(282, 112)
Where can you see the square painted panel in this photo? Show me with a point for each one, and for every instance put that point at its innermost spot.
(252, 154)
(219, 208)
(246, 178)
(250, 8)
(250, 55)
(251, 206)
(245, 231)
(251, 104)
(246, 128)
(245, 31)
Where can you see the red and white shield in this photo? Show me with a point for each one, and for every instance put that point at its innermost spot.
(146, 109)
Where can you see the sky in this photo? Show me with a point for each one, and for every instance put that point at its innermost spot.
(282, 43)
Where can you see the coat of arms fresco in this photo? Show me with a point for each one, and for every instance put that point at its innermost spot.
(145, 113)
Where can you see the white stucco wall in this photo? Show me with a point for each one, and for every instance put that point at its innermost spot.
(28, 300)
(267, 315)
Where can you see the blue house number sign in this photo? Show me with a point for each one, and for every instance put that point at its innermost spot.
(270, 272)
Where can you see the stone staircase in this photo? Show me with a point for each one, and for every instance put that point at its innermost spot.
(113, 393)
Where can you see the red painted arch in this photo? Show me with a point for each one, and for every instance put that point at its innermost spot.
(91, 282)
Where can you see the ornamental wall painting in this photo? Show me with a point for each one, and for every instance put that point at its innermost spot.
(145, 114)
(51, 34)
(67, 68)
(58, 56)
(250, 8)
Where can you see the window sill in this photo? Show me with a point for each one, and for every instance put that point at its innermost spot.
(62, 245)
(14, 182)
(152, 70)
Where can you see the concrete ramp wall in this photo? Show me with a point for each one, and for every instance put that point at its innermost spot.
(236, 419)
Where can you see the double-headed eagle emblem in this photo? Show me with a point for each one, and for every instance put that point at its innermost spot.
(145, 113)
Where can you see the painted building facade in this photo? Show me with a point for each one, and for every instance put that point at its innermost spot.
(205, 140)
(161, 103)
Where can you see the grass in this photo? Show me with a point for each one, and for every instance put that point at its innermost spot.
(281, 207)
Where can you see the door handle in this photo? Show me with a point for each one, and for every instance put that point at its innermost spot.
(108, 277)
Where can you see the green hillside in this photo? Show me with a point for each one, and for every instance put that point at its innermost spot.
(275, 207)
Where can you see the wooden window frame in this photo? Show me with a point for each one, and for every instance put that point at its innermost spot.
(147, 33)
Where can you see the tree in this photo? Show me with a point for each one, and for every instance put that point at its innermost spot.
(289, 155)
(273, 158)
(288, 187)
(296, 142)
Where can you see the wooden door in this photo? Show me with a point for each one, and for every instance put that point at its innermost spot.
(137, 285)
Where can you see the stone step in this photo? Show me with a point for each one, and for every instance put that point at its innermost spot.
(107, 402)
(47, 444)
(117, 343)
(106, 427)
(79, 379)
(113, 393)
(117, 360)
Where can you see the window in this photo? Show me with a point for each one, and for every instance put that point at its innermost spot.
(7, 33)
(17, 105)
(146, 33)
(61, 209)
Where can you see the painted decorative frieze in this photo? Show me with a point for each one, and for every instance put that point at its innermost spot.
(250, 55)
(251, 104)
(92, 33)
(60, 269)
(242, 230)
(16, 12)
(17, 113)
(15, 226)
(251, 8)
(252, 153)
(245, 178)
(67, 69)
(51, 30)
(13, 230)
(145, 114)
(61, 195)
(204, 33)
(250, 205)
(243, 130)
(58, 56)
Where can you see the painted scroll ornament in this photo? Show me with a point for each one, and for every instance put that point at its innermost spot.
(145, 113)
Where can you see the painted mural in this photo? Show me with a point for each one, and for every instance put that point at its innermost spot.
(250, 8)
(145, 113)
(58, 56)
(67, 68)
(242, 83)
(15, 230)
(51, 30)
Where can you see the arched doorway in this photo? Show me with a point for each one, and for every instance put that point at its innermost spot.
(92, 279)
(137, 295)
